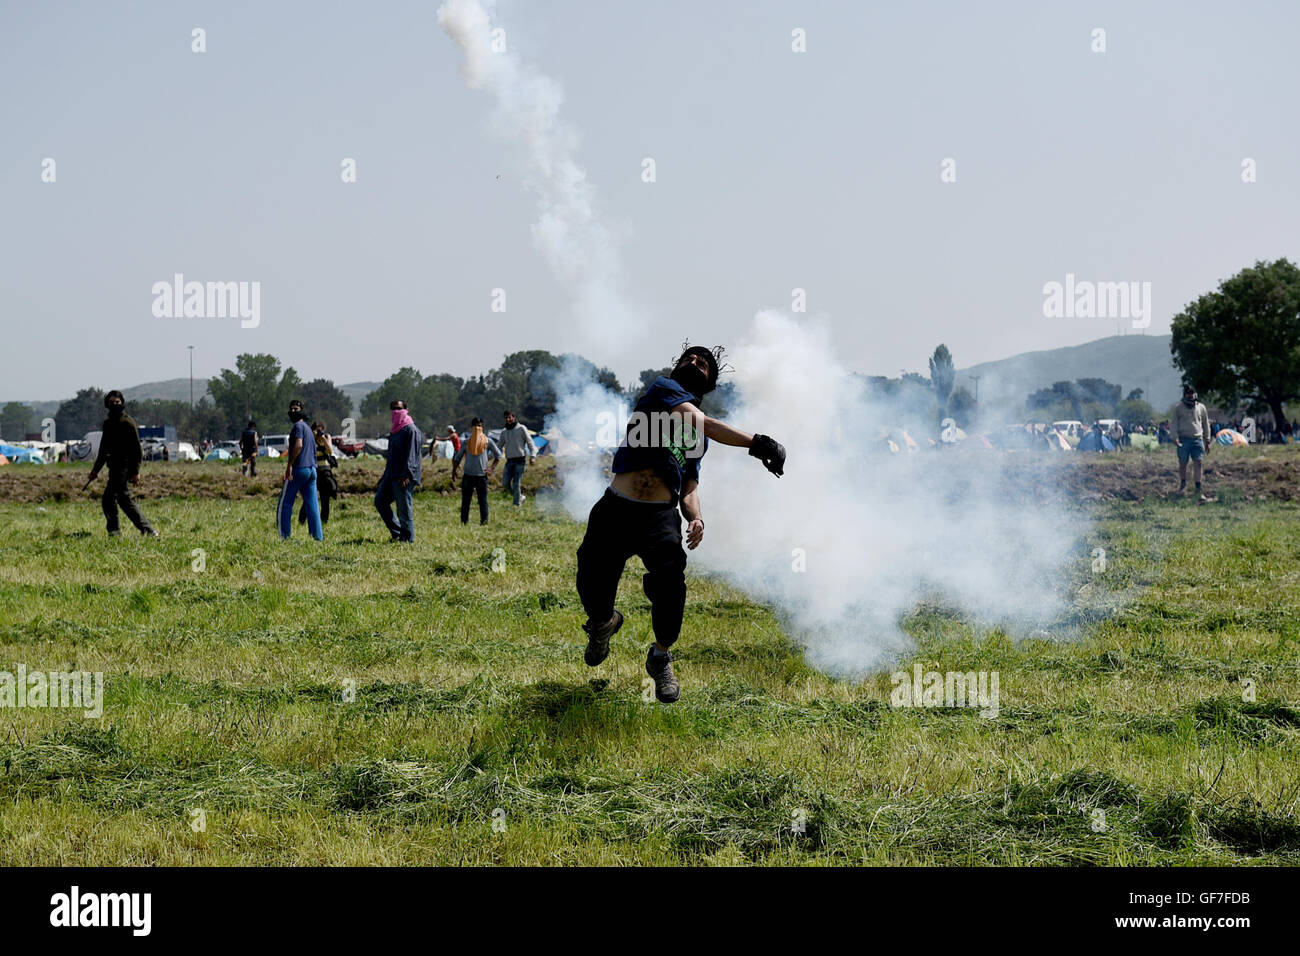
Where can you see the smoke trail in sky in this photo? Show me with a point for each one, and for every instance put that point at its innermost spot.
(580, 250)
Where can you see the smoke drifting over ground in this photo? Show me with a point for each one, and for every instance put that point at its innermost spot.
(875, 532)
(851, 538)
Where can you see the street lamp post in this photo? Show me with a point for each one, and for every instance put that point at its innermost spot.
(191, 348)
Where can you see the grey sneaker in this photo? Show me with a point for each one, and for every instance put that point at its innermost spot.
(661, 669)
(598, 638)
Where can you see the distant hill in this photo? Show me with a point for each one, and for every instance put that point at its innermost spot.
(1130, 361)
(173, 389)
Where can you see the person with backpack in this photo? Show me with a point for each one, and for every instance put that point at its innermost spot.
(327, 486)
(248, 450)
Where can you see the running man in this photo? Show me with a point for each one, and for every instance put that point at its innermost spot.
(638, 513)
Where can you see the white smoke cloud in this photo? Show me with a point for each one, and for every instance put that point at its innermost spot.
(878, 533)
(579, 249)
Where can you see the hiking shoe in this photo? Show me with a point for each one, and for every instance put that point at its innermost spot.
(598, 638)
(661, 669)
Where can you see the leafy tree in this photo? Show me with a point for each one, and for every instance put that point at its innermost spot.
(942, 374)
(1134, 396)
(82, 413)
(326, 403)
(403, 384)
(961, 406)
(14, 420)
(1135, 410)
(1241, 343)
(255, 389)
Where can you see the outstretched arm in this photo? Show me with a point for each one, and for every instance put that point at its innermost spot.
(771, 453)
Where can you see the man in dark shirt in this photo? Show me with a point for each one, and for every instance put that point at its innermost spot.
(248, 450)
(401, 475)
(300, 476)
(119, 448)
(656, 472)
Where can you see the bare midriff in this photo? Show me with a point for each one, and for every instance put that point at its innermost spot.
(643, 485)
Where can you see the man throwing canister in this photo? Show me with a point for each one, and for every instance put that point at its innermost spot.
(656, 472)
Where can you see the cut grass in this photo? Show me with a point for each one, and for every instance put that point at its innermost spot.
(354, 702)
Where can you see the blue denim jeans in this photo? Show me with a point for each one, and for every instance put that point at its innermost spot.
(1193, 448)
(512, 476)
(302, 482)
(390, 491)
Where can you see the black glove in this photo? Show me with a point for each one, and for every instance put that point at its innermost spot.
(770, 452)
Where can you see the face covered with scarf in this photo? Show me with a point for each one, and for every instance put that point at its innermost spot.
(401, 418)
(696, 371)
(1189, 398)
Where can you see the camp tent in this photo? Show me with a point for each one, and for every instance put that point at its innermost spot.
(17, 454)
(1056, 441)
(1227, 436)
(1095, 441)
(219, 454)
(560, 446)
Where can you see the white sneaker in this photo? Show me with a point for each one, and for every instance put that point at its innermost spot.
(522, 499)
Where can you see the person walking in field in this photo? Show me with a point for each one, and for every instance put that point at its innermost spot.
(119, 449)
(516, 444)
(655, 476)
(401, 475)
(476, 452)
(248, 450)
(1191, 433)
(300, 476)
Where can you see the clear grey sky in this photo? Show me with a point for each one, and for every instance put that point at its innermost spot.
(775, 170)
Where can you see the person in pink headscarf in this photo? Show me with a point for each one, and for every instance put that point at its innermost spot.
(401, 475)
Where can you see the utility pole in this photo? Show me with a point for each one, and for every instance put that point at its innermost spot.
(976, 380)
(191, 348)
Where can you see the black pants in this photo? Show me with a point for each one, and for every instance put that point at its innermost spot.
(617, 529)
(327, 487)
(249, 465)
(469, 486)
(117, 491)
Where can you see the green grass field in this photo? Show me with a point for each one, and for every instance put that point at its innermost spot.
(477, 735)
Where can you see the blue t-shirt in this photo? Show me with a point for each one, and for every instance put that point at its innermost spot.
(307, 457)
(674, 456)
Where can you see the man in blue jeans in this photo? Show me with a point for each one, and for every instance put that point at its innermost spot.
(300, 476)
(401, 475)
(516, 445)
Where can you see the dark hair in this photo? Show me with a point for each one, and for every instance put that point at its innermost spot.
(296, 401)
(395, 404)
(506, 412)
(476, 421)
(317, 427)
(112, 395)
(252, 424)
(1189, 390)
(712, 357)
